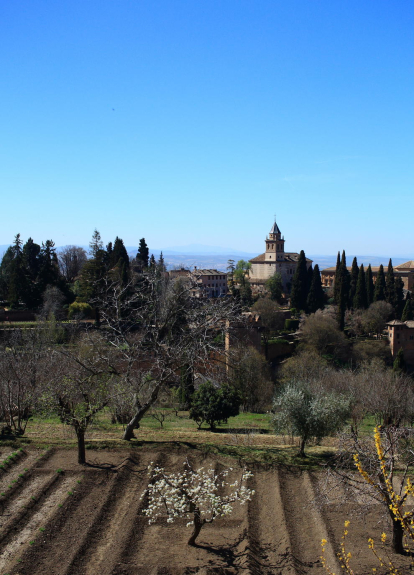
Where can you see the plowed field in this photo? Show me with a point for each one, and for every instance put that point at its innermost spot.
(60, 518)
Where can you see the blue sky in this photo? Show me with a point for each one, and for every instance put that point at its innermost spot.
(195, 122)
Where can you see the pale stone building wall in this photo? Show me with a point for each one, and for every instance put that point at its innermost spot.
(275, 259)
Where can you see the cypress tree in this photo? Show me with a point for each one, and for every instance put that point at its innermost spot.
(310, 278)
(300, 284)
(353, 281)
(408, 312)
(370, 286)
(316, 296)
(337, 279)
(399, 365)
(16, 278)
(143, 253)
(360, 298)
(379, 290)
(95, 244)
(119, 254)
(399, 294)
(390, 287)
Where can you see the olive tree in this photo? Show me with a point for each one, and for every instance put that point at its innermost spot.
(308, 412)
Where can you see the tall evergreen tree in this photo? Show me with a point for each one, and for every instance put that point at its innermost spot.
(353, 281)
(152, 262)
(49, 266)
(17, 277)
(316, 296)
(95, 244)
(399, 294)
(161, 267)
(119, 255)
(299, 291)
(379, 291)
(360, 297)
(408, 312)
(310, 278)
(275, 286)
(337, 279)
(390, 287)
(31, 292)
(143, 253)
(369, 286)
(399, 365)
(343, 294)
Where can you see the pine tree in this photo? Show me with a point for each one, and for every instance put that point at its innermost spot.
(360, 298)
(353, 281)
(143, 253)
(161, 267)
(337, 279)
(49, 266)
(369, 286)
(379, 290)
(299, 292)
(316, 296)
(408, 313)
(152, 262)
(95, 244)
(17, 277)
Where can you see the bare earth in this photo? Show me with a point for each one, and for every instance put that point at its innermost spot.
(87, 520)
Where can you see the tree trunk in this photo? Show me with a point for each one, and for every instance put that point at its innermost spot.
(198, 523)
(140, 412)
(397, 537)
(302, 447)
(80, 434)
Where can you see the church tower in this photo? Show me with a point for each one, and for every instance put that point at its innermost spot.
(275, 245)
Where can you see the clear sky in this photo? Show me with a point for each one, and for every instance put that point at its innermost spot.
(188, 121)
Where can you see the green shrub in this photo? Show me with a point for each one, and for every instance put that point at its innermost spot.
(291, 324)
(80, 309)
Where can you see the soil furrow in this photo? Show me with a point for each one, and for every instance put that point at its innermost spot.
(104, 536)
(64, 535)
(268, 535)
(36, 520)
(12, 472)
(302, 524)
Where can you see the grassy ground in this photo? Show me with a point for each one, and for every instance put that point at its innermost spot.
(249, 436)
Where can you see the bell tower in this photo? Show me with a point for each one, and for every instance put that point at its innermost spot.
(275, 245)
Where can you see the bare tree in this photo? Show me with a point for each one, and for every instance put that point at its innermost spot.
(82, 383)
(384, 464)
(71, 261)
(321, 333)
(376, 316)
(24, 365)
(156, 328)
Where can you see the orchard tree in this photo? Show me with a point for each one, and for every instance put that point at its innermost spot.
(156, 329)
(194, 494)
(308, 412)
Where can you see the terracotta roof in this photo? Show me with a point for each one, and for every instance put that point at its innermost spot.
(409, 323)
(198, 272)
(289, 257)
(409, 265)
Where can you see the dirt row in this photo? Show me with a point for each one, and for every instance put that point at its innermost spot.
(64, 519)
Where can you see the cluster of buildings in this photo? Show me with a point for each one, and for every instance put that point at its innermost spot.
(213, 283)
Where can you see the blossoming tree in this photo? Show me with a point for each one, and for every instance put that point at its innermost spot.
(194, 494)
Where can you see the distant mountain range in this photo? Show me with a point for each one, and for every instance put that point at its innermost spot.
(215, 257)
